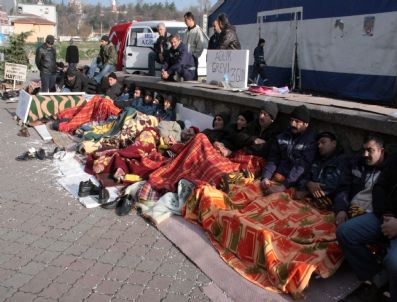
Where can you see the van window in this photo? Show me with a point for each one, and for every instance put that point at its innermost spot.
(133, 34)
(173, 30)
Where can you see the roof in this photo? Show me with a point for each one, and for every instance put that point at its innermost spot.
(154, 23)
(33, 20)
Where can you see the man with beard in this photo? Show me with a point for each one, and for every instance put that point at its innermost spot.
(291, 154)
(372, 191)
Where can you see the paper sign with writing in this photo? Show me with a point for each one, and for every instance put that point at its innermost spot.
(146, 39)
(228, 65)
(16, 72)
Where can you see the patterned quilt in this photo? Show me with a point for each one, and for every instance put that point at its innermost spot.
(273, 241)
(50, 105)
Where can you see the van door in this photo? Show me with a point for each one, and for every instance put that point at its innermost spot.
(136, 57)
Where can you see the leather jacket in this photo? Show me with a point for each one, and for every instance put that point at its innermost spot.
(46, 59)
(228, 39)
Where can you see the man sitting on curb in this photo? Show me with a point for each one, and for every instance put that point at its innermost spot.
(291, 155)
(74, 81)
(372, 191)
(180, 64)
(106, 60)
(161, 49)
(326, 178)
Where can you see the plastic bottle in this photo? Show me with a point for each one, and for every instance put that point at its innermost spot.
(226, 79)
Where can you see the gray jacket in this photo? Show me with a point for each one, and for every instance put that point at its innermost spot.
(194, 40)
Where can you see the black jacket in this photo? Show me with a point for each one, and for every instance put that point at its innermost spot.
(79, 84)
(384, 193)
(114, 91)
(246, 139)
(228, 39)
(213, 43)
(162, 46)
(72, 54)
(46, 59)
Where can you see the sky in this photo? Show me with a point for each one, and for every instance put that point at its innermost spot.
(180, 4)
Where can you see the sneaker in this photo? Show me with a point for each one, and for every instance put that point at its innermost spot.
(364, 293)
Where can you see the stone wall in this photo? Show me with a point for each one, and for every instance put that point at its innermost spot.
(350, 125)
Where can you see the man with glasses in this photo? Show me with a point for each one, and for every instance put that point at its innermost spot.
(161, 48)
(47, 65)
(291, 154)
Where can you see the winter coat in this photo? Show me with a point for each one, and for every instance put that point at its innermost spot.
(180, 60)
(291, 156)
(246, 139)
(331, 172)
(108, 54)
(166, 115)
(146, 108)
(46, 59)
(194, 40)
(162, 46)
(228, 39)
(79, 84)
(384, 192)
(214, 41)
(72, 54)
(259, 56)
(114, 91)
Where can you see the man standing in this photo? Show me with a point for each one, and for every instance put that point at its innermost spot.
(214, 40)
(292, 153)
(374, 198)
(259, 63)
(72, 55)
(193, 39)
(161, 48)
(180, 63)
(106, 60)
(47, 65)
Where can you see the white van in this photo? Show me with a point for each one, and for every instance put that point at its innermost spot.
(136, 53)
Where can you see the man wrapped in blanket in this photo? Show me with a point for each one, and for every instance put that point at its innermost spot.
(291, 154)
(326, 177)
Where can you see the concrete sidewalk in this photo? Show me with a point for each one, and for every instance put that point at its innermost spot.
(54, 249)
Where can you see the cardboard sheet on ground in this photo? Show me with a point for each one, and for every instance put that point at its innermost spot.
(193, 242)
(72, 174)
(43, 132)
(198, 119)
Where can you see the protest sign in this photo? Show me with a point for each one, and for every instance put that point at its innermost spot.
(146, 39)
(15, 72)
(228, 66)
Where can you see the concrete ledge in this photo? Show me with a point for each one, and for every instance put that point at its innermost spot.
(351, 121)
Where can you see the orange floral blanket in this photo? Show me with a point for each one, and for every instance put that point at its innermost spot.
(273, 241)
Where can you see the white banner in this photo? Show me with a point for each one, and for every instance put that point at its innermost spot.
(25, 99)
(146, 39)
(15, 72)
(228, 66)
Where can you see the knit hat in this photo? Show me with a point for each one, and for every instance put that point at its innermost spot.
(328, 134)
(225, 116)
(112, 75)
(196, 129)
(50, 39)
(71, 72)
(301, 113)
(105, 38)
(248, 115)
(271, 109)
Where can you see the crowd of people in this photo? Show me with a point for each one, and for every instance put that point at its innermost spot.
(311, 167)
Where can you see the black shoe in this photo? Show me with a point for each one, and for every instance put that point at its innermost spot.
(87, 188)
(103, 195)
(364, 293)
(111, 205)
(125, 205)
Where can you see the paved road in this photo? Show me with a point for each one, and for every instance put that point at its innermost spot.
(53, 249)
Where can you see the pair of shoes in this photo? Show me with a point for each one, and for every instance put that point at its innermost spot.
(364, 293)
(87, 188)
(32, 153)
(111, 205)
(125, 205)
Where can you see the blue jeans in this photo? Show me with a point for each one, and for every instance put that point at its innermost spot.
(104, 70)
(354, 236)
(47, 81)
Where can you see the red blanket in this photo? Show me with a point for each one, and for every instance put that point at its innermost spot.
(97, 109)
(198, 162)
